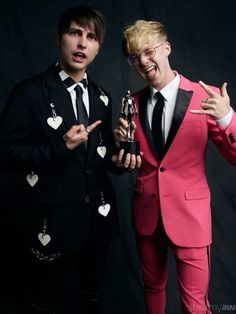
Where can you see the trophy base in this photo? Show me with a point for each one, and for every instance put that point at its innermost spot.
(130, 147)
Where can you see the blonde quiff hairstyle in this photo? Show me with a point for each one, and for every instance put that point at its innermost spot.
(142, 32)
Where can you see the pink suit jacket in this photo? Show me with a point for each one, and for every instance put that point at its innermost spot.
(177, 186)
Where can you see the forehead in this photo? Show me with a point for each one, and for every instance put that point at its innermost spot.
(87, 28)
(141, 46)
(147, 45)
(139, 43)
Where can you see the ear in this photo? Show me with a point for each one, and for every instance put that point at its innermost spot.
(167, 48)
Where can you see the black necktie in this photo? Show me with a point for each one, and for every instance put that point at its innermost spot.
(157, 124)
(82, 115)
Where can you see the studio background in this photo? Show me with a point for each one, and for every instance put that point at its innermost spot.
(202, 35)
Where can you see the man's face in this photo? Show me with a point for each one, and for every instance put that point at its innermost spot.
(78, 48)
(152, 63)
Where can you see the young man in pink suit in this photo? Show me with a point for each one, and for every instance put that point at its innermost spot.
(171, 201)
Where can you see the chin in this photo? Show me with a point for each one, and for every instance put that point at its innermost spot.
(77, 67)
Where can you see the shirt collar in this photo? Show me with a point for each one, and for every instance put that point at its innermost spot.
(68, 81)
(168, 90)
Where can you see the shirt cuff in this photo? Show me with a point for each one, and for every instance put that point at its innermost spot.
(224, 122)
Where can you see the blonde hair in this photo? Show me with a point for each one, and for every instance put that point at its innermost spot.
(142, 32)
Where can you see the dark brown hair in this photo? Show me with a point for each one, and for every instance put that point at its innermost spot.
(85, 17)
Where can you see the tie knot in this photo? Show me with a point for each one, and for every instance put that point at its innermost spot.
(159, 99)
(159, 96)
(78, 89)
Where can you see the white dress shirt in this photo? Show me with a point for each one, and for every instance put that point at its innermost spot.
(72, 92)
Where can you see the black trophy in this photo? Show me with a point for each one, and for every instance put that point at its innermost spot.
(128, 110)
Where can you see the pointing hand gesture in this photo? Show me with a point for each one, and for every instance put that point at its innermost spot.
(78, 134)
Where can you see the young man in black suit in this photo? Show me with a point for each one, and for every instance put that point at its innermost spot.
(56, 144)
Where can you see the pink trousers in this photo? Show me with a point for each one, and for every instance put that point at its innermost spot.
(192, 270)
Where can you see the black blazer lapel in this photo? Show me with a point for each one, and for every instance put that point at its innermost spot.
(96, 112)
(182, 102)
(59, 96)
(143, 100)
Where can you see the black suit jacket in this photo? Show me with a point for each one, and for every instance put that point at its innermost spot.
(71, 184)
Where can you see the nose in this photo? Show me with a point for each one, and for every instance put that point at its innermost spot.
(82, 41)
(143, 59)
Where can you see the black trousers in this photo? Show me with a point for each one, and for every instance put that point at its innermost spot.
(71, 283)
(68, 285)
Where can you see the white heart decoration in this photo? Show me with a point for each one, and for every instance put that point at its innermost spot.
(104, 209)
(101, 151)
(44, 238)
(32, 179)
(105, 99)
(54, 122)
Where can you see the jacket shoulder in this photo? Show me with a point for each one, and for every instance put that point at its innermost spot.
(99, 90)
(144, 92)
(30, 83)
(186, 84)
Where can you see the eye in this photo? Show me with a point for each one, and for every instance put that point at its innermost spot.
(92, 36)
(75, 32)
(148, 52)
(134, 58)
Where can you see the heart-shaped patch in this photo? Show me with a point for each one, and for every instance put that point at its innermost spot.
(104, 209)
(101, 151)
(105, 99)
(54, 122)
(44, 238)
(32, 179)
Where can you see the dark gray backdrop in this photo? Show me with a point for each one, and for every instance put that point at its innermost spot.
(202, 34)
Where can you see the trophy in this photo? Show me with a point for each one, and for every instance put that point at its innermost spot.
(128, 110)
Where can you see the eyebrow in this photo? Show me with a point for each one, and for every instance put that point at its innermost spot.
(89, 32)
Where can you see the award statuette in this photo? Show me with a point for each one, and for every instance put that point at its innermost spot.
(128, 110)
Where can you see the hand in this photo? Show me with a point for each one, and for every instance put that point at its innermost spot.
(120, 132)
(78, 134)
(216, 106)
(131, 160)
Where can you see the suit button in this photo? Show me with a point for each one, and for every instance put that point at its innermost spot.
(162, 169)
(87, 199)
(231, 138)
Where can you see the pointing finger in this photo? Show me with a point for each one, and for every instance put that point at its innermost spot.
(92, 126)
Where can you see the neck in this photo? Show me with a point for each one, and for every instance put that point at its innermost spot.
(170, 75)
(76, 75)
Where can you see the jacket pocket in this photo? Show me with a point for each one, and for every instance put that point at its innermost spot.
(196, 194)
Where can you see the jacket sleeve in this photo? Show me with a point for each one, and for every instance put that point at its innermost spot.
(225, 140)
(20, 145)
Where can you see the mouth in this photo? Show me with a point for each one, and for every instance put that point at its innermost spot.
(79, 56)
(149, 69)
